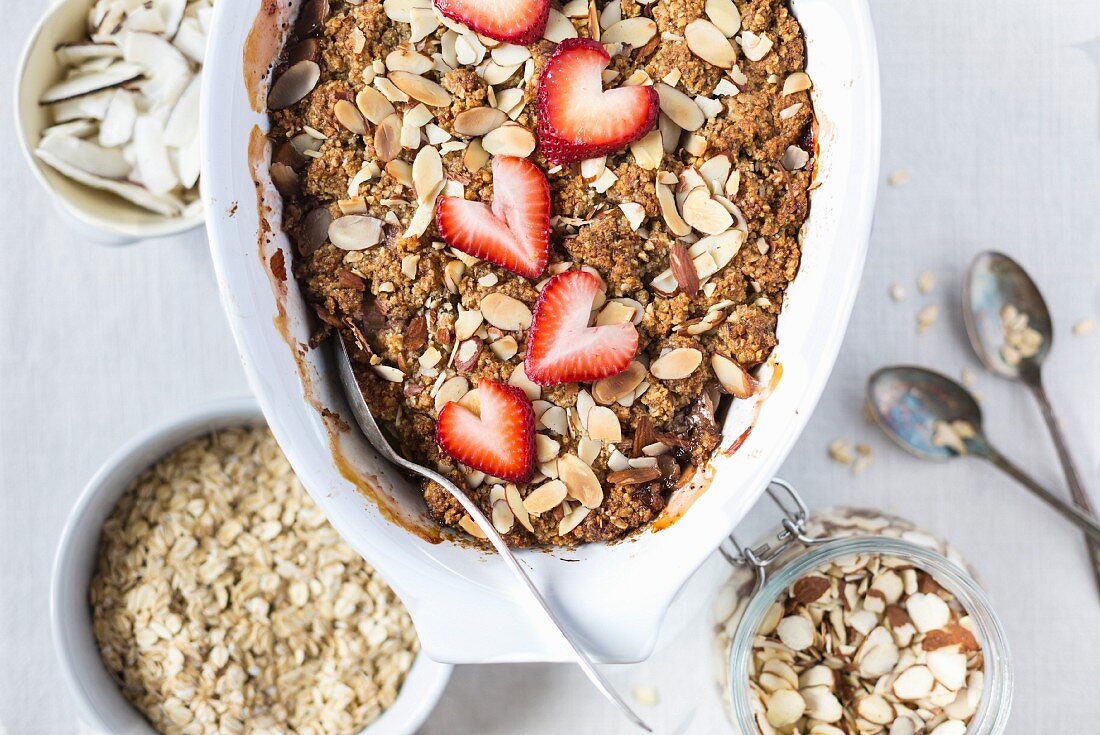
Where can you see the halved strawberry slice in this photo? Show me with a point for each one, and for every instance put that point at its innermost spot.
(562, 348)
(513, 21)
(577, 118)
(515, 232)
(500, 442)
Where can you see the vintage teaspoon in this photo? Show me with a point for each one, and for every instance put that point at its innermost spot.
(996, 290)
(378, 440)
(934, 417)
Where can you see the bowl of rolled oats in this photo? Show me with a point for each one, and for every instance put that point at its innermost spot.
(879, 630)
(197, 588)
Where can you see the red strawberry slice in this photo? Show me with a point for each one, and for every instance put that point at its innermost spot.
(562, 348)
(513, 21)
(501, 442)
(577, 118)
(515, 232)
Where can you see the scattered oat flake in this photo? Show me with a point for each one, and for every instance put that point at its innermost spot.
(1083, 327)
(898, 178)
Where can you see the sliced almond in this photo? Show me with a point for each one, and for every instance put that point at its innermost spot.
(427, 174)
(420, 88)
(388, 373)
(505, 348)
(634, 214)
(515, 504)
(667, 203)
(519, 379)
(355, 232)
(468, 525)
(709, 43)
(387, 138)
(755, 46)
(373, 104)
(467, 323)
(478, 121)
(572, 519)
(615, 312)
(725, 15)
(784, 707)
(735, 379)
(581, 481)
(914, 683)
(349, 116)
(680, 108)
(545, 497)
(546, 448)
(603, 425)
(609, 390)
(874, 708)
(401, 171)
(683, 269)
(292, 87)
(405, 58)
(510, 139)
(648, 151)
(796, 632)
(797, 82)
(503, 518)
(505, 312)
(555, 419)
(451, 391)
(475, 156)
(704, 213)
(635, 32)
(676, 364)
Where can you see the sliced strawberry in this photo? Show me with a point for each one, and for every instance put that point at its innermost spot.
(512, 21)
(501, 442)
(577, 118)
(515, 232)
(562, 348)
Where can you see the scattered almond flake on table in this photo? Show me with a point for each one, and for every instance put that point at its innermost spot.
(926, 282)
(144, 61)
(926, 317)
(897, 292)
(644, 695)
(840, 451)
(1084, 327)
(899, 177)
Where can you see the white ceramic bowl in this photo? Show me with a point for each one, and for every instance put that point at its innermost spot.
(98, 699)
(97, 215)
(468, 610)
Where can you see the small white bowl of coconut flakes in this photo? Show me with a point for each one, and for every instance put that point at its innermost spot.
(107, 107)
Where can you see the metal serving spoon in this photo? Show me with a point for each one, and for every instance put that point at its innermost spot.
(381, 443)
(934, 417)
(994, 282)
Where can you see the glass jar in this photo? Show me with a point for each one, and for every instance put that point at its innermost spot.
(807, 543)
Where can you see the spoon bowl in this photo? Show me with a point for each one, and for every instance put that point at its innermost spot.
(994, 283)
(910, 404)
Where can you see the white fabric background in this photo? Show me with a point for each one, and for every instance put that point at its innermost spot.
(992, 108)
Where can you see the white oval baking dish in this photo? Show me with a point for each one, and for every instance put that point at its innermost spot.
(467, 608)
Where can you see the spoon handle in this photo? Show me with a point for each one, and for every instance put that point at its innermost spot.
(1087, 523)
(1080, 496)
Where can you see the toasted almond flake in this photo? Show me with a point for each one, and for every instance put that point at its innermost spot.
(452, 275)
(519, 379)
(349, 116)
(295, 83)
(389, 90)
(796, 632)
(676, 364)
(505, 312)
(784, 707)
(754, 46)
(546, 448)
(405, 58)
(503, 518)
(926, 282)
(705, 214)
(505, 348)
(680, 108)
(401, 171)
(634, 213)
(478, 121)
(545, 497)
(388, 373)
(914, 683)
(387, 138)
(555, 419)
(648, 151)
(475, 156)
(797, 82)
(795, 158)
(724, 14)
(709, 43)
(635, 32)
(510, 139)
(667, 203)
(467, 323)
(558, 27)
(927, 611)
(469, 526)
(355, 232)
(427, 174)
(603, 425)
(734, 378)
(788, 112)
(615, 312)
(572, 519)
(373, 105)
(581, 481)
(683, 269)
(1083, 327)
(420, 88)
(716, 172)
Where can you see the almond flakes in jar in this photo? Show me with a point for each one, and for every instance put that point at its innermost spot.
(859, 623)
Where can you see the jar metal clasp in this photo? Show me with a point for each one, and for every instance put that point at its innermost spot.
(792, 530)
